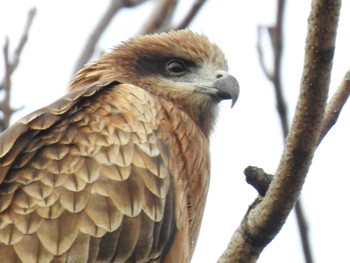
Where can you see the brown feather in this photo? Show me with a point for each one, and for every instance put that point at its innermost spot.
(111, 172)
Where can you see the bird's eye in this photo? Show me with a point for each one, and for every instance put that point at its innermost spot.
(176, 67)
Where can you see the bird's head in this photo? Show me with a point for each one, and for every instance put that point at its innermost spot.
(181, 66)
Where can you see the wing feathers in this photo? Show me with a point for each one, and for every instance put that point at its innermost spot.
(57, 235)
(10, 136)
(74, 201)
(90, 228)
(37, 190)
(158, 185)
(9, 235)
(14, 139)
(115, 172)
(90, 178)
(104, 213)
(53, 211)
(89, 170)
(129, 235)
(128, 198)
(30, 250)
(153, 206)
(27, 224)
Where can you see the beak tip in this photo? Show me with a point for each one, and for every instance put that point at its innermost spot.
(228, 88)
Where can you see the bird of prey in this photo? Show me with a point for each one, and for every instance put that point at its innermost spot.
(116, 170)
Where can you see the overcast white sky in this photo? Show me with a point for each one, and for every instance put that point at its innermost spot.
(248, 134)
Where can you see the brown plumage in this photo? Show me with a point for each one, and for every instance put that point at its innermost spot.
(117, 170)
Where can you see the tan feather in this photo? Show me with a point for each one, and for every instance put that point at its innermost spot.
(57, 235)
(27, 224)
(74, 201)
(89, 227)
(49, 212)
(5, 201)
(10, 235)
(30, 250)
(117, 170)
(104, 213)
(89, 170)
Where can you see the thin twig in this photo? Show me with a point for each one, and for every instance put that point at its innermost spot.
(303, 227)
(107, 17)
(277, 41)
(335, 106)
(196, 7)
(133, 3)
(10, 67)
(161, 17)
(24, 38)
(262, 222)
(276, 38)
(261, 53)
(112, 10)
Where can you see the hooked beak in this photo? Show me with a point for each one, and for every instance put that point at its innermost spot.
(224, 87)
(227, 86)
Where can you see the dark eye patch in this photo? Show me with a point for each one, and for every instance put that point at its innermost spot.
(158, 64)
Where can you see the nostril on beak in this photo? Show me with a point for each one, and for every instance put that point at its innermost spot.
(220, 74)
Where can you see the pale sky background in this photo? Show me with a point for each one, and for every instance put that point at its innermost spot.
(248, 134)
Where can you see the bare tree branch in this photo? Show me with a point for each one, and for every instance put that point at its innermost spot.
(88, 50)
(258, 178)
(196, 7)
(161, 17)
(133, 3)
(335, 106)
(263, 221)
(261, 53)
(107, 17)
(277, 43)
(282, 112)
(276, 38)
(303, 227)
(10, 67)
